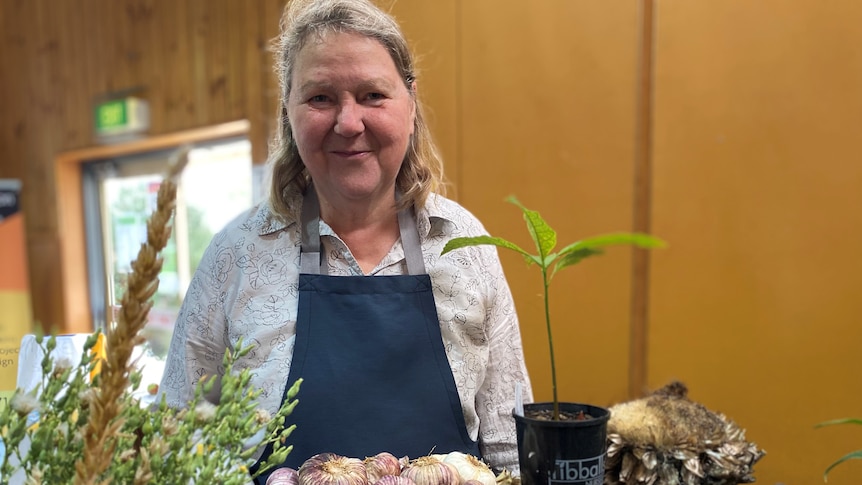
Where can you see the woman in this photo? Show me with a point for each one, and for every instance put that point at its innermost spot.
(338, 279)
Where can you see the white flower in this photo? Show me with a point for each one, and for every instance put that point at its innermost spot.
(262, 416)
(25, 404)
(205, 411)
(87, 396)
(62, 364)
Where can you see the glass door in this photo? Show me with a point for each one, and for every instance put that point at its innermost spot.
(120, 194)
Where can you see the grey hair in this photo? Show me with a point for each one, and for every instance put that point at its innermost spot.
(422, 169)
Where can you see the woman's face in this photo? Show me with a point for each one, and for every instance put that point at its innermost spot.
(352, 117)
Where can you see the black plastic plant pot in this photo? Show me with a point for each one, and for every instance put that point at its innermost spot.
(570, 452)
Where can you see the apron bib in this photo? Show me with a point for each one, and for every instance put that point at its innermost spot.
(369, 349)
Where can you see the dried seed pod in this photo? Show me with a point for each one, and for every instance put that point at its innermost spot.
(380, 465)
(430, 470)
(667, 438)
(332, 469)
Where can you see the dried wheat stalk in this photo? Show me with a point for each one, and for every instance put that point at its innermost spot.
(105, 415)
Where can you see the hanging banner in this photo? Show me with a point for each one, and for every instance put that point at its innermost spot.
(15, 316)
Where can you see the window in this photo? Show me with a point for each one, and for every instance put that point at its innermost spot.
(119, 195)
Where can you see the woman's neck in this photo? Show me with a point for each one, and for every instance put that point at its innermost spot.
(368, 231)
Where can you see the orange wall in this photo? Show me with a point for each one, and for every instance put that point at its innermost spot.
(758, 187)
(546, 113)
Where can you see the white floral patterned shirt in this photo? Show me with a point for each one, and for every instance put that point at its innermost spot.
(246, 287)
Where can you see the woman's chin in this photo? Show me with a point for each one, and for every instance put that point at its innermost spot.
(360, 190)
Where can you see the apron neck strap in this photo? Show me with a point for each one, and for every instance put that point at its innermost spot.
(310, 260)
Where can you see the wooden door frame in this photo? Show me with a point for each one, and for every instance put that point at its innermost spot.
(75, 293)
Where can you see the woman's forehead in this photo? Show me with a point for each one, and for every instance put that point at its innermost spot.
(344, 54)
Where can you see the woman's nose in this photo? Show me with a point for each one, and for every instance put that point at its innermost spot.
(349, 122)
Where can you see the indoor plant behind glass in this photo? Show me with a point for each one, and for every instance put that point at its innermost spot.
(559, 442)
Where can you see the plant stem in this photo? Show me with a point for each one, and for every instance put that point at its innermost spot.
(551, 345)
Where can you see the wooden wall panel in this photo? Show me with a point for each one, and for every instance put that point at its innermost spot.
(10, 82)
(198, 63)
(546, 106)
(758, 187)
(432, 30)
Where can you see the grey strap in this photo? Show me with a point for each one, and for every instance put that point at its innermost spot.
(312, 262)
(410, 241)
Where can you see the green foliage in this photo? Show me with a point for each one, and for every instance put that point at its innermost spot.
(853, 455)
(545, 239)
(203, 443)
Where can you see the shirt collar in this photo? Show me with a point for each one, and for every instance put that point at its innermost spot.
(267, 223)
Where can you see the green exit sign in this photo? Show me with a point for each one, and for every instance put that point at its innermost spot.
(121, 117)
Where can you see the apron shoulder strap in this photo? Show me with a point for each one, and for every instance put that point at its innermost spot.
(410, 241)
(310, 261)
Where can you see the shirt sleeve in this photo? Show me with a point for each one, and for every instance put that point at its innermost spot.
(199, 343)
(495, 399)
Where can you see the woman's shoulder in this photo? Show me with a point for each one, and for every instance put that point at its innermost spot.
(451, 218)
(257, 221)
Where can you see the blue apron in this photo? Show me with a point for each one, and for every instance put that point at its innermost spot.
(369, 349)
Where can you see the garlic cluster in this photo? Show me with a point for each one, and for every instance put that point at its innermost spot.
(381, 465)
(283, 476)
(332, 469)
(431, 470)
(454, 468)
(471, 468)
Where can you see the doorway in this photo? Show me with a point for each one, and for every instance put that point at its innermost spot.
(119, 195)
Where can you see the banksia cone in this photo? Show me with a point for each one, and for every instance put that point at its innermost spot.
(666, 439)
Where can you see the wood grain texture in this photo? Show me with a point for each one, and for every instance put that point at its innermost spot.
(188, 58)
(548, 115)
(756, 182)
(642, 205)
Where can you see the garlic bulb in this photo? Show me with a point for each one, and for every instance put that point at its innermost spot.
(380, 465)
(428, 470)
(283, 476)
(332, 469)
(393, 480)
(471, 468)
